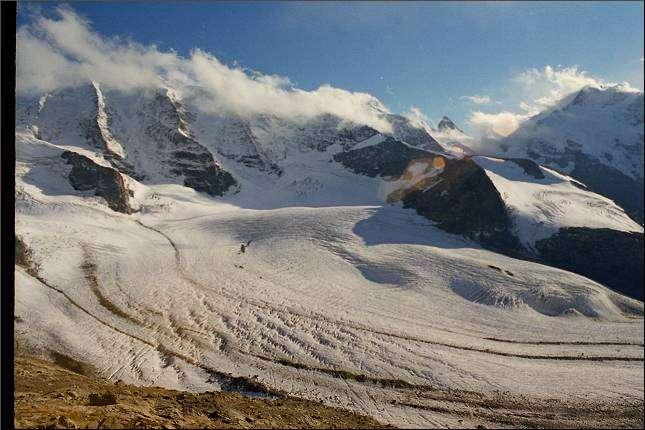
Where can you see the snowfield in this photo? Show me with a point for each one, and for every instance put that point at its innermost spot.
(338, 297)
(541, 206)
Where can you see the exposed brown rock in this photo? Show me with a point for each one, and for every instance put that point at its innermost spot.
(24, 256)
(105, 181)
(101, 399)
(43, 400)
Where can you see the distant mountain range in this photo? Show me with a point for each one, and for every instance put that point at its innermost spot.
(593, 141)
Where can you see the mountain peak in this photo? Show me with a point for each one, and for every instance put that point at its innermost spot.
(605, 95)
(446, 124)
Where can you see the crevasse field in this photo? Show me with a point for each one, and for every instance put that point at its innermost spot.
(339, 297)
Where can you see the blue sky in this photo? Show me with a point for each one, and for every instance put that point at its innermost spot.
(428, 55)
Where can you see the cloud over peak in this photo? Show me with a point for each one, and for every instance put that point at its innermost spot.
(549, 85)
(54, 53)
(537, 90)
(418, 119)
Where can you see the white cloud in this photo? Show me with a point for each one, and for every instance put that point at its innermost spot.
(478, 100)
(272, 80)
(501, 123)
(63, 52)
(547, 86)
(418, 118)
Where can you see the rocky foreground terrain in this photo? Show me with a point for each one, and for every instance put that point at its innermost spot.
(66, 394)
(50, 396)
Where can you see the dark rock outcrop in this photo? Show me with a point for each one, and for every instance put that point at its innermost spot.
(105, 181)
(196, 164)
(101, 399)
(463, 200)
(388, 158)
(530, 167)
(358, 134)
(24, 257)
(610, 257)
(22, 253)
(327, 130)
(210, 180)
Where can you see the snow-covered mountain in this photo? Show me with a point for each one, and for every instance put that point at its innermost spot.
(512, 206)
(594, 135)
(452, 138)
(378, 270)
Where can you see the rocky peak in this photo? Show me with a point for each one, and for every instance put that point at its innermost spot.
(447, 124)
(404, 130)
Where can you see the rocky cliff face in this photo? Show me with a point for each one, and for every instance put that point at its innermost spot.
(613, 258)
(529, 167)
(178, 150)
(455, 193)
(463, 200)
(144, 134)
(106, 182)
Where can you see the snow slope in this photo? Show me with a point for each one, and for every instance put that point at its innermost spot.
(606, 121)
(338, 297)
(541, 206)
(453, 138)
(594, 135)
